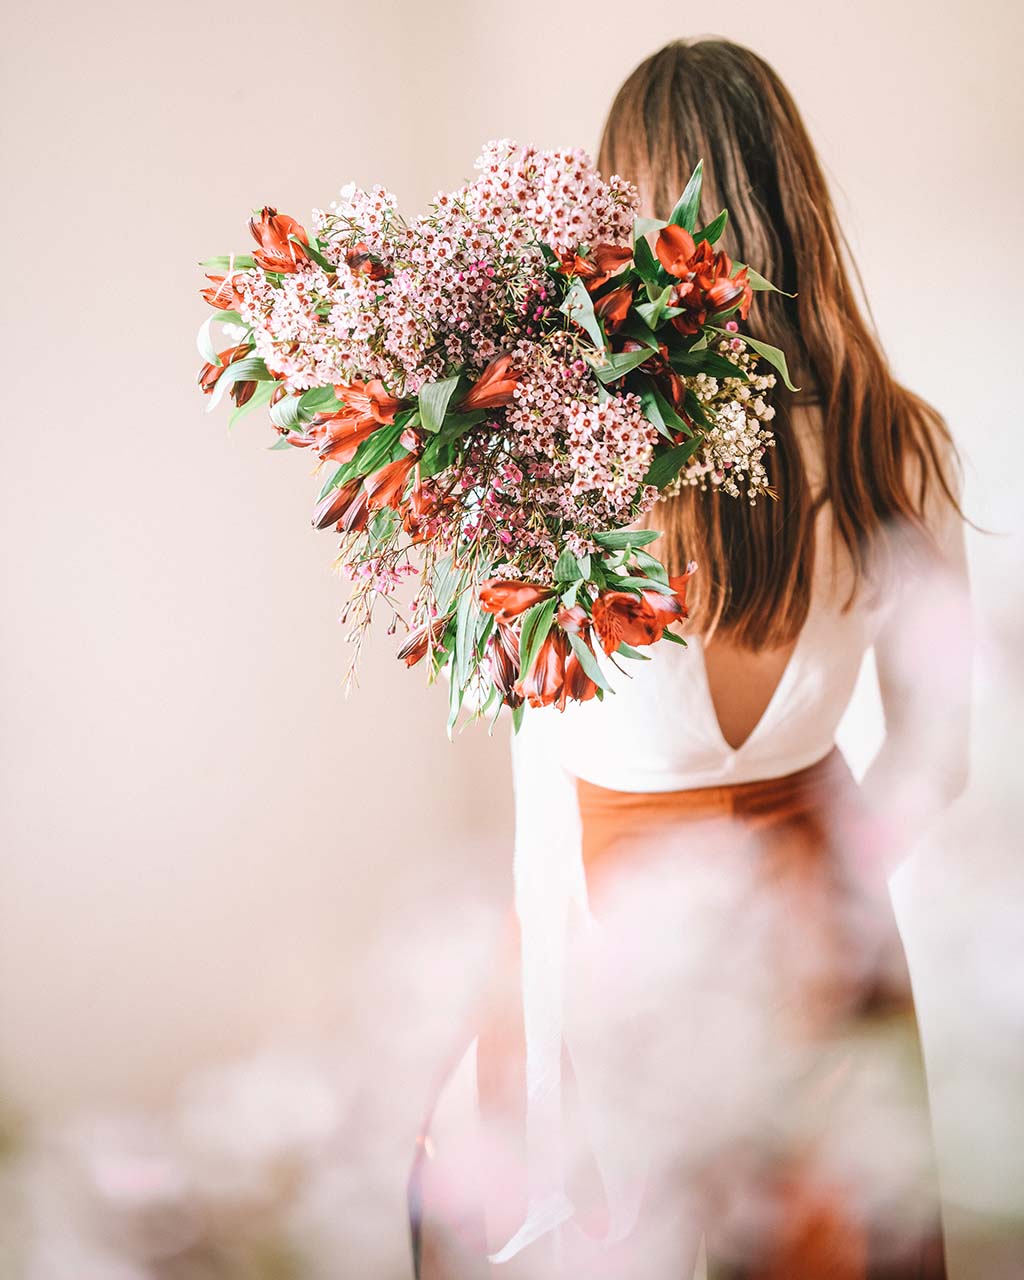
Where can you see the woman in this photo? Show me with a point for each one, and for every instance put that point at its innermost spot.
(729, 1059)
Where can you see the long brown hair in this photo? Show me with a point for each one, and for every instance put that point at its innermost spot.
(885, 450)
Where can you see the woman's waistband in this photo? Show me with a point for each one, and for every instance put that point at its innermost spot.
(823, 783)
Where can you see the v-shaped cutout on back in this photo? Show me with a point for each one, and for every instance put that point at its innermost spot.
(742, 687)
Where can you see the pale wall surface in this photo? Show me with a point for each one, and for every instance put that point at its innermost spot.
(201, 837)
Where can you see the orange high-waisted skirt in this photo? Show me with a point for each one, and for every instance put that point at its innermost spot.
(742, 1040)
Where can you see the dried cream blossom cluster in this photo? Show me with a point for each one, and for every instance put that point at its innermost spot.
(731, 457)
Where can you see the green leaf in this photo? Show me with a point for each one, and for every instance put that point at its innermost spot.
(456, 692)
(775, 357)
(536, 625)
(644, 226)
(697, 413)
(319, 400)
(315, 254)
(664, 469)
(637, 328)
(578, 306)
(467, 615)
(588, 662)
(685, 213)
(651, 565)
(704, 361)
(643, 584)
(647, 266)
(204, 341)
(457, 424)
(446, 577)
(434, 400)
(713, 231)
(517, 717)
(279, 445)
(230, 262)
(757, 281)
(285, 413)
(672, 638)
(653, 312)
(617, 539)
(370, 455)
(618, 365)
(259, 398)
(627, 651)
(567, 568)
(673, 422)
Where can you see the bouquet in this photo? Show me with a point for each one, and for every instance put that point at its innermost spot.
(497, 393)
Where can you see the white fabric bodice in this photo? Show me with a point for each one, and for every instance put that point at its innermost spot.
(659, 731)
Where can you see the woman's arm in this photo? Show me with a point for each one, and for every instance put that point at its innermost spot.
(923, 658)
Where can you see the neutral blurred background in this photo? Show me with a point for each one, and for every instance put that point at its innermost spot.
(210, 856)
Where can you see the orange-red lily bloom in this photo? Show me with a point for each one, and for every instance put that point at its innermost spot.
(421, 641)
(503, 661)
(221, 293)
(620, 617)
(209, 374)
(578, 686)
(594, 268)
(495, 387)
(507, 598)
(344, 507)
(365, 407)
(362, 262)
(386, 486)
(613, 307)
(271, 231)
(675, 247)
(544, 683)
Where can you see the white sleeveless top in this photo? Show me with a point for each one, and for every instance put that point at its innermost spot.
(657, 732)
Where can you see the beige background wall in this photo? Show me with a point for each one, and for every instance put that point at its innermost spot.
(201, 837)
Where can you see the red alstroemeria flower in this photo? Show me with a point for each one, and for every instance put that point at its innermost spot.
(494, 388)
(613, 307)
(368, 400)
(386, 486)
(578, 686)
(598, 266)
(728, 290)
(622, 617)
(507, 598)
(365, 407)
(271, 232)
(209, 374)
(420, 517)
(706, 284)
(419, 642)
(503, 661)
(341, 434)
(675, 247)
(345, 507)
(574, 619)
(544, 683)
(362, 262)
(222, 293)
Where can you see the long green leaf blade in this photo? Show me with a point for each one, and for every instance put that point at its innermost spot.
(685, 213)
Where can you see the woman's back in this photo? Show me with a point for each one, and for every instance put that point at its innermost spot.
(715, 713)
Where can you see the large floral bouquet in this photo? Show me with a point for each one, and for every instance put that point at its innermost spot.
(498, 392)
